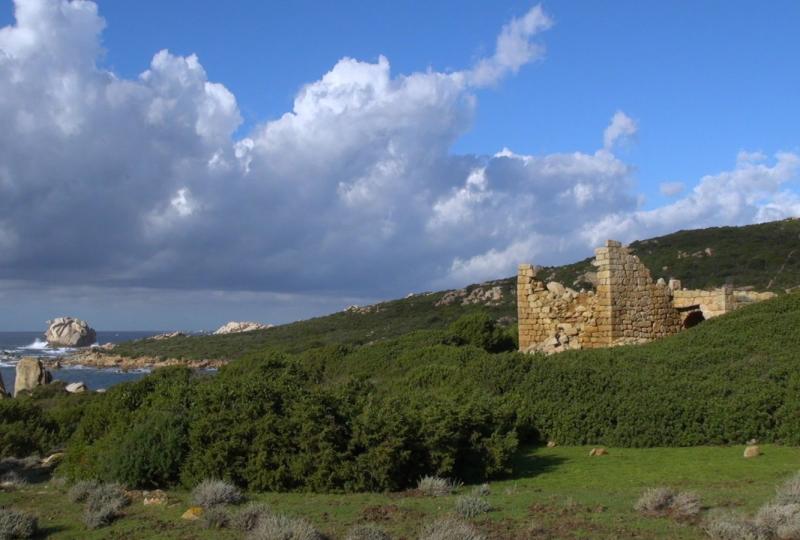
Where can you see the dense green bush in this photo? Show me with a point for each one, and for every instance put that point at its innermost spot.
(481, 330)
(135, 433)
(24, 428)
(270, 424)
(39, 422)
(383, 415)
(151, 452)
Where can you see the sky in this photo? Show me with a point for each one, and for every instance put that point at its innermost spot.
(175, 165)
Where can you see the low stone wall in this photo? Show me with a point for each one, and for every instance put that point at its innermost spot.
(552, 317)
(711, 303)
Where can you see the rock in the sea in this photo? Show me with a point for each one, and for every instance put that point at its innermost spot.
(76, 388)
(2, 388)
(236, 327)
(30, 374)
(69, 332)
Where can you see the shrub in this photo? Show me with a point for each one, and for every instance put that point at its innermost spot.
(449, 529)
(775, 516)
(435, 486)
(211, 493)
(482, 490)
(280, 527)
(685, 505)
(367, 532)
(216, 517)
(133, 433)
(15, 464)
(250, 515)
(13, 478)
(470, 506)
(16, 524)
(80, 491)
(24, 428)
(663, 501)
(150, 453)
(655, 501)
(788, 531)
(724, 526)
(103, 505)
(789, 491)
(481, 330)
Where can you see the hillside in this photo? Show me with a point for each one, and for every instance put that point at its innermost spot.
(302, 431)
(764, 256)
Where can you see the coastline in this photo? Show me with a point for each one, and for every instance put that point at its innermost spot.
(95, 359)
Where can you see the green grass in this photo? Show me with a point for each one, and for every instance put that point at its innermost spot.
(561, 490)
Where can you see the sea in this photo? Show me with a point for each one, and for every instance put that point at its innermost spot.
(15, 345)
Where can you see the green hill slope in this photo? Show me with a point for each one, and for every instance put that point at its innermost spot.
(381, 415)
(764, 256)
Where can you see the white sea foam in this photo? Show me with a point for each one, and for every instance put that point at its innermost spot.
(37, 345)
(40, 347)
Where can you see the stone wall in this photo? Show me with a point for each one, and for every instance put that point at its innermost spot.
(710, 303)
(552, 317)
(640, 310)
(627, 307)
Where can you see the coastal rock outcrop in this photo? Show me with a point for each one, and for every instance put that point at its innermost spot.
(167, 335)
(237, 327)
(486, 294)
(2, 389)
(69, 332)
(30, 374)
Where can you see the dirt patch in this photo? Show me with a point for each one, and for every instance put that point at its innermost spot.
(386, 512)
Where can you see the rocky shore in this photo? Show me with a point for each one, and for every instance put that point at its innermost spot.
(101, 359)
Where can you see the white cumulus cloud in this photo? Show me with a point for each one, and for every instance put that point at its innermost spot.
(354, 192)
(622, 127)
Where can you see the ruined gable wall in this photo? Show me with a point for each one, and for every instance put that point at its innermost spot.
(627, 307)
(640, 310)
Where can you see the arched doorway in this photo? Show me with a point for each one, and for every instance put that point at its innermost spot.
(693, 318)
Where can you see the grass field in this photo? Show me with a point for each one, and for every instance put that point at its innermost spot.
(555, 493)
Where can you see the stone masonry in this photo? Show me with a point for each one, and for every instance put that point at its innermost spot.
(627, 307)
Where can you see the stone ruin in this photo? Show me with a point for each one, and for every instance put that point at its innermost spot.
(626, 307)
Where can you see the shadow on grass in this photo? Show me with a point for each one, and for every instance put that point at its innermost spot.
(26, 471)
(46, 532)
(528, 462)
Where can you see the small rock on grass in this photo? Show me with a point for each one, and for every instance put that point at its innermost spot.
(193, 513)
(752, 451)
(154, 497)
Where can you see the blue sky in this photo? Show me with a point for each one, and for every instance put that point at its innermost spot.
(704, 80)
(695, 84)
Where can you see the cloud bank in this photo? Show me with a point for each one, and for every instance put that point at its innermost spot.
(141, 183)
